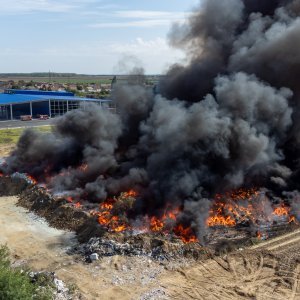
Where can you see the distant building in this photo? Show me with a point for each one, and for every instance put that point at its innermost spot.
(15, 103)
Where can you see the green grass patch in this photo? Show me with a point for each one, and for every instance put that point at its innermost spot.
(16, 284)
(11, 136)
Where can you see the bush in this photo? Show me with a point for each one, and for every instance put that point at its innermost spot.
(15, 284)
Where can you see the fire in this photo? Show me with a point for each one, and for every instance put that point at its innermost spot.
(156, 224)
(293, 219)
(259, 235)
(130, 193)
(185, 233)
(104, 218)
(107, 205)
(69, 199)
(163, 224)
(116, 225)
(228, 210)
(107, 219)
(77, 205)
(32, 179)
(113, 223)
(281, 211)
(219, 220)
(240, 194)
(241, 206)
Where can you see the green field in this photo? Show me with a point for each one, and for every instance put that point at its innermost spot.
(11, 136)
(68, 78)
(72, 80)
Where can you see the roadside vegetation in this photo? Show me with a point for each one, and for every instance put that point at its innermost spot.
(15, 283)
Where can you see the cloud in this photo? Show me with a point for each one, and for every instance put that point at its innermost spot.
(143, 23)
(141, 46)
(149, 14)
(141, 18)
(27, 6)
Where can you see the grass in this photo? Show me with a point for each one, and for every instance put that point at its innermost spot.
(11, 136)
(16, 284)
(72, 80)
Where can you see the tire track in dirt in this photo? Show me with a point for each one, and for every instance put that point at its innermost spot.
(242, 275)
(269, 270)
(279, 244)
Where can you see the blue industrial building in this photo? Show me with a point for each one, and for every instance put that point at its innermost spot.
(15, 103)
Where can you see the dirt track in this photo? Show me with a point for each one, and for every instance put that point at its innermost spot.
(269, 270)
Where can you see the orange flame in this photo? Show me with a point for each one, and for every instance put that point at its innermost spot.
(69, 199)
(186, 234)
(238, 206)
(156, 224)
(32, 179)
(130, 193)
(219, 220)
(116, 225)
(105, 217)
(259, 235)
(106, 205)
(228, 210)
(78, 205)
(281, 211)
(293, 219)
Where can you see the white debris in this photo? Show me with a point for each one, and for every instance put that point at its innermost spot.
(94, 256)
(60, 287)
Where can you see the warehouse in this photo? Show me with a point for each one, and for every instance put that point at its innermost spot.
(15, 103)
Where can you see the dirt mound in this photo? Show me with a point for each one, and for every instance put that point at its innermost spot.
(12, 186)
(57, 212)
(95, 238)
(61, 214)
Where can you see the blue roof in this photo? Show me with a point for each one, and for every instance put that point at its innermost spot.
(39, 92)
(20, 98)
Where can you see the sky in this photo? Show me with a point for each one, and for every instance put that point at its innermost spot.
(89, 36)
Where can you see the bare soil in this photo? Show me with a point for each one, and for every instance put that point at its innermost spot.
(6, 149)
(268, 270)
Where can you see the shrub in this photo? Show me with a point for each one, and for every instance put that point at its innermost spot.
(15, 284)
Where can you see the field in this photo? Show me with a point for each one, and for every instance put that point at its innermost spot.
(84, 79)
(69, 78)
(10, 137)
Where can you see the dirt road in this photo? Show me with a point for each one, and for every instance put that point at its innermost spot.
(269, 270)
(34, 243)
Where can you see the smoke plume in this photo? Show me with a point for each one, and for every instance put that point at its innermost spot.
(227, 119)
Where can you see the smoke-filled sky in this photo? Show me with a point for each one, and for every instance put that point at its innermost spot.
(87, 36)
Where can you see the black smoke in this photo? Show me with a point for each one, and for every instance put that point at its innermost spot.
(229, 118)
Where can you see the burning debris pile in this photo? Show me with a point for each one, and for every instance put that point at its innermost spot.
(227, 120)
